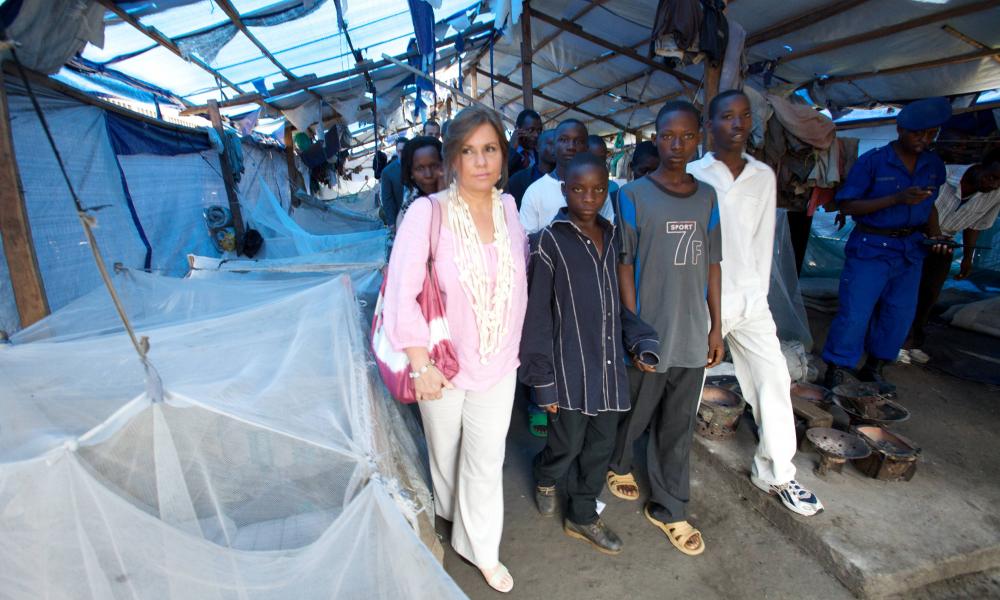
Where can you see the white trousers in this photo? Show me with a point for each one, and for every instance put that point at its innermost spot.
(466, 438)
(763, 375)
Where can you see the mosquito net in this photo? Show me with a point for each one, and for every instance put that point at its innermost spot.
(273, 467)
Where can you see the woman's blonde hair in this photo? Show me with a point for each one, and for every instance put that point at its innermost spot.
(460, 129)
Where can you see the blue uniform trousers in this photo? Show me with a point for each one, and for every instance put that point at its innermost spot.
(878, 299)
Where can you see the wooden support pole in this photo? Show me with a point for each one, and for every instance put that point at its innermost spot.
(526, 54)
(713, 74)
(881, 32)
(18, 247)
(227, 177)
(578, 31)
(438, 82)
(474, 81)
(294, 177)
(968, 40)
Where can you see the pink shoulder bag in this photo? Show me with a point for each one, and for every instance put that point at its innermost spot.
(394, 365)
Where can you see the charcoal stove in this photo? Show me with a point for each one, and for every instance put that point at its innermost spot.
(835, 448)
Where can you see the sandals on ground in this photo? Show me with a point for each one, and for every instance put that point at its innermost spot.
(616, 482)
(679, 533)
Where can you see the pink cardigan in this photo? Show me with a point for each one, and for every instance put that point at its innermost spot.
(406, 327)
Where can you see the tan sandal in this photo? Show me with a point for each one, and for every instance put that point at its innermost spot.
(616, 482)
(679, 533)
(495, 578)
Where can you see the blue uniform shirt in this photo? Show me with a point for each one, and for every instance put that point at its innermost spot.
(879, 173)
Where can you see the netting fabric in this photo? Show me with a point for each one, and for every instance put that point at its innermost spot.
(275, 467)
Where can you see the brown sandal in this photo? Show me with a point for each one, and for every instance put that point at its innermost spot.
(679, 533)
(616, 482)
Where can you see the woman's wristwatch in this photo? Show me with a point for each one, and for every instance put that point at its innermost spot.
(416, 374)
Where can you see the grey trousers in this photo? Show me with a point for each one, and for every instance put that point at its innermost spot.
(668, 404)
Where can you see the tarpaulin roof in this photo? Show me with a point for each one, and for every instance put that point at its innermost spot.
(590, 56)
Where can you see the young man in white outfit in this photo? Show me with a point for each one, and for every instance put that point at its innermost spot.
(543, 198)
(747, 194)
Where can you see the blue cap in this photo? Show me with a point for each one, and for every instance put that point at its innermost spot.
(928, 113)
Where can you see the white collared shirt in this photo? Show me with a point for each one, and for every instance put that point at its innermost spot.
(542, 201)
(747, 211)
(979, 211)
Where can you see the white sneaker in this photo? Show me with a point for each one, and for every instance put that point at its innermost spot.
(904, 357)
(796, 498)
(919, 356)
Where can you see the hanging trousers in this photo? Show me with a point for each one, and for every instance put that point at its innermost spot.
(764, 381)
(466, 436)
(667, 403)
(578, 447)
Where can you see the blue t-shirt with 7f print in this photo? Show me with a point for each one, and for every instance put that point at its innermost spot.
(671, 240)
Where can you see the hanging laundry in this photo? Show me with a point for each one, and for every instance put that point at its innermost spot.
(804, 122)
(714, 33)
(733, 65)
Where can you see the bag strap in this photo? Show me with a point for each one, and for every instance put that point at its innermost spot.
(435, 232)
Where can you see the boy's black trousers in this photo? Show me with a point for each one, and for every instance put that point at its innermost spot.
(578, 446)
(667, 403)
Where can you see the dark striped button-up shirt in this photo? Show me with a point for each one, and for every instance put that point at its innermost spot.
(573, 346)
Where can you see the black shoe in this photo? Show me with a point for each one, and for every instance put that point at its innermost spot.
(597, 533)
(545, 499)
(837, 376)
(872, 371)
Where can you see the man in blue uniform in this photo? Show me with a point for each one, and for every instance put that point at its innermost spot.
(890, 193)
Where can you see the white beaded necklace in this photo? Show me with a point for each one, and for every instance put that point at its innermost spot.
(490, 302)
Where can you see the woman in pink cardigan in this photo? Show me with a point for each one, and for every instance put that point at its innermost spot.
(481, 259)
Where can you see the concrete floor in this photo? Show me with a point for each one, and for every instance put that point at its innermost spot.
(746, 555)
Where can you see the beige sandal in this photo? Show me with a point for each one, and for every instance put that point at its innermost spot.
(495, 578)
(679, 533)
(616, 482)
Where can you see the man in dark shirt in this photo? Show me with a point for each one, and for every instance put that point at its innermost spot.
(391, 194)
(572, 351)
(524, 142)
(518, 184)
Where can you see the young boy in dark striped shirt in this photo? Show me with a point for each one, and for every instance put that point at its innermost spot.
(573, 350)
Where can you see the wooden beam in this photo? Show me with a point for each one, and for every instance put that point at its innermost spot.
(576, 69)
(968, 40)
(801, 21)
(18, 246)
(526, 57)
(227, 177)
(304, 84)
(573, 28)
(552, 36)
(607, 88)
(237, 101)
(881, 32)
(647, 104)
(929, 64)
(436, 81)
(166, 42)
(76, 94)
(234, 16)
(861, 124)
(566, 105)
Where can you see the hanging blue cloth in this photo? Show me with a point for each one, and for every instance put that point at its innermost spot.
(422, 15)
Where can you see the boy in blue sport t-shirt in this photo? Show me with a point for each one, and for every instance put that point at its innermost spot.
(670, 276)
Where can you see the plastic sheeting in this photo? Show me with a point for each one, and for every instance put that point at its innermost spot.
(274, 467)
(784, 297)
